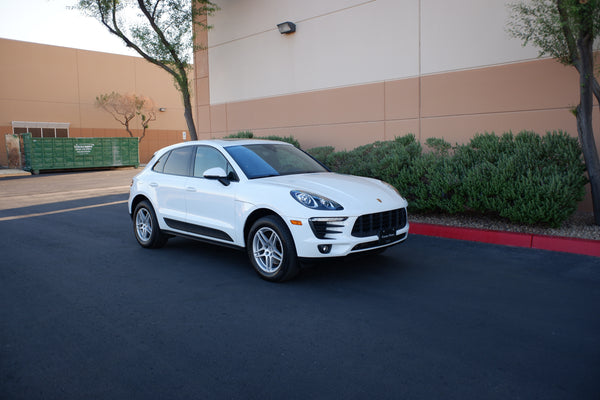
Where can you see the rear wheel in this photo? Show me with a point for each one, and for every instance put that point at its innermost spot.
(271, 250)
(145, 227)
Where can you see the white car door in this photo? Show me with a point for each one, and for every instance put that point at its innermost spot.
(210, 204)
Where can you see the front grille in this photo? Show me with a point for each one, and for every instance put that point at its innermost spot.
(374, 224)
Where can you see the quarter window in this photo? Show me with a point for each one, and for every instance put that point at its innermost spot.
(160, 164)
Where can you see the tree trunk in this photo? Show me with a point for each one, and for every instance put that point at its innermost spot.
(189, 118)
(584, 120)
(184, 88)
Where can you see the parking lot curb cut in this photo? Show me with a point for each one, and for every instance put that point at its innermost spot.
(533, 241)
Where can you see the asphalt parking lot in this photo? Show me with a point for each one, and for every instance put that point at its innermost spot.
(87, 313)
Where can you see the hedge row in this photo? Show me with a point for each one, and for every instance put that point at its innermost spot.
(525, 178)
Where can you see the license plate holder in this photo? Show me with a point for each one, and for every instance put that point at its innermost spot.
(387, 236)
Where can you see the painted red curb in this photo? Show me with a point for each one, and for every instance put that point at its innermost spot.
(553, 243)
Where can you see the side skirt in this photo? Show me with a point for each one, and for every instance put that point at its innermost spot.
(197, 229)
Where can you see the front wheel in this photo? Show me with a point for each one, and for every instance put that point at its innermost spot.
(271, 250)
(145, 227)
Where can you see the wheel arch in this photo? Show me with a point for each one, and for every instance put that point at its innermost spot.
(137, 200)
(255, 216)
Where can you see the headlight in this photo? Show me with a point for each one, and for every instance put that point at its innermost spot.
(315, 202)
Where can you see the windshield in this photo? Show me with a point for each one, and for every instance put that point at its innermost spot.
(266, 159)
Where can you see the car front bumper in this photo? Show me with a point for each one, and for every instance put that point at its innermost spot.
(339, 238)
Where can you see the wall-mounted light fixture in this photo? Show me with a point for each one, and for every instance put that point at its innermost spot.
(162, 109)
(286, 27)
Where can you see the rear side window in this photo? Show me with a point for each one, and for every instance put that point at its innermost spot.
(179, 161)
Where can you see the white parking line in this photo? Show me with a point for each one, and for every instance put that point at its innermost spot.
(60, 211)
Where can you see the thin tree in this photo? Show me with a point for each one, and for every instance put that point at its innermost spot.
(566, 30)
(125, 108)
(121, 107)
(161, 31)
(146, 109)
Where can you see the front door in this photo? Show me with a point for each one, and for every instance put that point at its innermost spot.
(210, 204)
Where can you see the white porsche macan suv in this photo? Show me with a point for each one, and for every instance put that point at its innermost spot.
(267, 197)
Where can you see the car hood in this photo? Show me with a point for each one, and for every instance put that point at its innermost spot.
(348, 190)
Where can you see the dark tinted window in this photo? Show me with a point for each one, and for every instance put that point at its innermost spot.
(160, 164)
(36, 132)
(62, 132)
(179, 161)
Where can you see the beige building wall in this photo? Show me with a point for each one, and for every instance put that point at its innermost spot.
(535, 95)
(357, 71)
(41, 83)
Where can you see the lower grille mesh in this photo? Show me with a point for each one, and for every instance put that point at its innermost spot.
(373, 224)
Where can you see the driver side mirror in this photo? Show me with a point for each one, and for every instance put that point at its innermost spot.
(217, 173)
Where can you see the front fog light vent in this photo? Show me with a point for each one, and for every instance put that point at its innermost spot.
(325, 228)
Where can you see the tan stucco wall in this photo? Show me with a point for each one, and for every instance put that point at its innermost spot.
(535, 95)
(43, 83)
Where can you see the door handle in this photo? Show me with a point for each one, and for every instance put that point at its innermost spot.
(154, 184)
(190, 189)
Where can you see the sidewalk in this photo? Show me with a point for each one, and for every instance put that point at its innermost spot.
(5, 173)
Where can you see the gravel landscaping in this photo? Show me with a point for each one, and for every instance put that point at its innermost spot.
(580, 225)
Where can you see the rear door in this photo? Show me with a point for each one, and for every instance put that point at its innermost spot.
(170, 184)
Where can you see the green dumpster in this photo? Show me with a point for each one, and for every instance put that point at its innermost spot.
(76, 153)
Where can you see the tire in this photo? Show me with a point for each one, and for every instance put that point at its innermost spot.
(145, 227)
(271, 250)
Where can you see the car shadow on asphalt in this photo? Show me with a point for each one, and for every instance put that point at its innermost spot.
(235, 261)
(354, 267)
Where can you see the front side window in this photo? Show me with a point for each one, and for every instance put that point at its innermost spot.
(207, 158)
(179, 161)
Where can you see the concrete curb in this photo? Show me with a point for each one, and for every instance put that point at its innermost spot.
(533, 241)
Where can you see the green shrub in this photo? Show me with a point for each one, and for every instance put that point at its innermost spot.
(382, 160)
(321, 153)
(528, 178)
(439, 146)
(525, 178)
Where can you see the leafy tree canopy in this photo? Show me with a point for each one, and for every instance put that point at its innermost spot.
(553, 25)
(161, 31)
